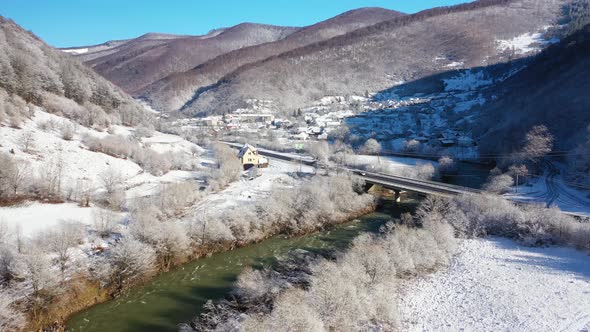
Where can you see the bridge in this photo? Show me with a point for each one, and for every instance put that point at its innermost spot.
(423, 187)
(397, 184)
(391, 182)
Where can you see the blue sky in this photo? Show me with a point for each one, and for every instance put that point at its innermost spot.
(64, 23)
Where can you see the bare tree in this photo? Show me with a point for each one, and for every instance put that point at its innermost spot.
(27, 141)
(83, 192)
(110, 179)
(519, 172)
(18, 175)
(50, 176)
(104, 221)
(62, 238)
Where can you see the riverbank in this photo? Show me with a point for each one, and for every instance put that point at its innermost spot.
(211, 251)
(352, 291)
(176, 296)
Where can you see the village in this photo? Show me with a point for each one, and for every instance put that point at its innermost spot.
(400, 125)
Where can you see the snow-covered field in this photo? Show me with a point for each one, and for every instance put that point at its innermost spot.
(279, 173)
(553, 190)
(498, 285)
(394, 163)
(37, 217)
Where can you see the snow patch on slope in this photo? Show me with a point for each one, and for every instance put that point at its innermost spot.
(467, 80)
(526, 43)
(76, 51)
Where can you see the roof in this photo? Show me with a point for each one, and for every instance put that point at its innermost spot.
(245, 149)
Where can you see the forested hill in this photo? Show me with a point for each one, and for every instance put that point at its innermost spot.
(551, 91)
(33, 73)
(379, 56)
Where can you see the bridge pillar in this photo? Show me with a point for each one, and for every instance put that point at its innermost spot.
(397, 196)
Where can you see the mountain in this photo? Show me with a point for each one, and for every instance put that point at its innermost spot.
(33, 73)
(88, 53)
(379, 56)
(175, 90)
(135, 63)
(552, 91)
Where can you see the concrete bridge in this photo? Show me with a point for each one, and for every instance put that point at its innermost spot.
(397, 184)
(423, 187)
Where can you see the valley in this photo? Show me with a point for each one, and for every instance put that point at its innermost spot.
(376, 169)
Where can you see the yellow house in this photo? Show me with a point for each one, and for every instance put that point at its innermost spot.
(249, 157)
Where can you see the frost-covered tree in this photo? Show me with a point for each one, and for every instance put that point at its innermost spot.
(11, 319)
(538, 143)
(499, 184)
(371, 146)
(128, 261)
(110, 179)
(104, 221)
(320, 151)
(61, 238)
(26, 141)
(14, 174)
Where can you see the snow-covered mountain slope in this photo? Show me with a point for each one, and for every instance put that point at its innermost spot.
(78, 170)
(35, 74)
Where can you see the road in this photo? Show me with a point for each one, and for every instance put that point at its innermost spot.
(392, 182)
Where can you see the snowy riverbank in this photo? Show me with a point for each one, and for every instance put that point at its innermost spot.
(498, 285)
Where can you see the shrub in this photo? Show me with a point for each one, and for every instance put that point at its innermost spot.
(104, 221)
(67, 131)
(129, 261)
(499, 184)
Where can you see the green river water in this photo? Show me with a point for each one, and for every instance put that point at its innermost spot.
(178, 295)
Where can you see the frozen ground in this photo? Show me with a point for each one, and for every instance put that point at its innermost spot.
(551, 189)
(35, 217)
(244, 191)
(497, 285)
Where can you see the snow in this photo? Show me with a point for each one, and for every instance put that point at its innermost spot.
(80, 163)
(393, 162)
(552, 189)
(455, 64)
(50, 147)
(76, 50)
(526, 43)
(498, 285)
(37, 217)
(466, 81)
(244, 191)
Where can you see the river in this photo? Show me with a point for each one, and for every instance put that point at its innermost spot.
(178, 295)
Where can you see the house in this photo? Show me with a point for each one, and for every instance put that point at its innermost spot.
(249, 157)
(446, 142)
